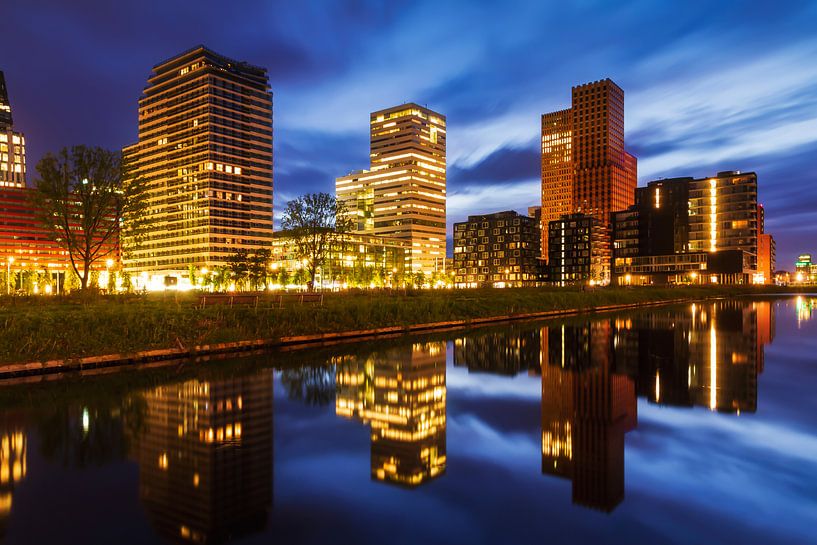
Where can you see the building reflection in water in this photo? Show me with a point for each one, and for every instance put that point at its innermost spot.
(13, 454)
(587, 408)
(703, 355)
(400, 393)
(205, 458)
(507, 352)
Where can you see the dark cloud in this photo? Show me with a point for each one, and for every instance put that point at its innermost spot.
(76, 69)
(505, 165)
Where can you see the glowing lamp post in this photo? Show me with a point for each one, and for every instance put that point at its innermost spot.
(9, 261)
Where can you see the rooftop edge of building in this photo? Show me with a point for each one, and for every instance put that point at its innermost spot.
(203, 49)
(596, 82)
(721, 174)
(410, 105)
(502, 214)
(6, 120)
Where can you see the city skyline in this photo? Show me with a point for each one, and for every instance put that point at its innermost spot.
(702, 88)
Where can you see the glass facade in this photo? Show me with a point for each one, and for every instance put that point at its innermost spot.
(693, 231)
(402, 195)
(205, 153)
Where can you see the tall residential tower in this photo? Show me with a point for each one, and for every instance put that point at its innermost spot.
(12, 144)
(402, 195)
(585, 168)
(205, 153)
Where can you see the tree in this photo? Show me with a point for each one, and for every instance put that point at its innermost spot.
(239, 266)
(221, 278)
(313, 221)
(81, 202)
(259, 263)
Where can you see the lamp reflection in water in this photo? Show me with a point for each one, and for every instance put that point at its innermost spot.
(400, 393)
(205, 458)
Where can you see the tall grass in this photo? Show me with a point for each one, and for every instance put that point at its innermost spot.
(40, 328)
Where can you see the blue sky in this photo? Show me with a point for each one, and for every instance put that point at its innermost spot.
(709, 86)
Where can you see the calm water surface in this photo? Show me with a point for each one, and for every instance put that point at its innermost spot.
(694, 424)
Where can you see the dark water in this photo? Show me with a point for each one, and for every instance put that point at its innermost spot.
(694, 424)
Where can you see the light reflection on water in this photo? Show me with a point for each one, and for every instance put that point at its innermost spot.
(627, 428)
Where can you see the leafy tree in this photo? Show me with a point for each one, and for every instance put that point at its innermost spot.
(418, 279)
(81, 202)
(220, 278)
(313, 220)
(72, 282)
(111, 287)
(283, 277)
(258, 267)
(239, 266)
(127, 284)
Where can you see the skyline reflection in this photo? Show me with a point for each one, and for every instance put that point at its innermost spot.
(703, 355)
(205, 458)
(400, 394)
(530, 412)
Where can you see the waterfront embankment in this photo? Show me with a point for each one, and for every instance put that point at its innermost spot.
(58, 334)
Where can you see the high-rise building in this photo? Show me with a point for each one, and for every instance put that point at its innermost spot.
(690, 230)
(205, 154)
(352, 260)
(579, 250)
(12, 144)
(585, 168)
(402, 195)
(500, 249)
(766, 258)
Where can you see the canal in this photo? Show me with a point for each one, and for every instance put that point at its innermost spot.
(679, 424)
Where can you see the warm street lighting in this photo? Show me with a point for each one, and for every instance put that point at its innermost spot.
(9, 261)
(109, 263)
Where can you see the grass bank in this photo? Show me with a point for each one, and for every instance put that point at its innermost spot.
(40, 328)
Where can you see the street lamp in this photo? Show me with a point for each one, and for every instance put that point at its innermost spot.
(9, 261)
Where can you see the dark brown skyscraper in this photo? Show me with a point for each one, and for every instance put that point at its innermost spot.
(584, 165)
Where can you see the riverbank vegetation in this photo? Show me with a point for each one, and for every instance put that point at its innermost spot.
(41, 328)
